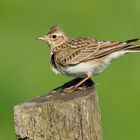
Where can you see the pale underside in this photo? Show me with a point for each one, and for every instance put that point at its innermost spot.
(92, 66)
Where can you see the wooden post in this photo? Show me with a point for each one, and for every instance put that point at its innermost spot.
(60, 116)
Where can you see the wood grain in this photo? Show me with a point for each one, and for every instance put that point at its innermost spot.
(59, 116)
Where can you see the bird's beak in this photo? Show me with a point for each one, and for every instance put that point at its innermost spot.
(40, 38)
(43, 38)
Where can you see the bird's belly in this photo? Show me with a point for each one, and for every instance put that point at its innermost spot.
(82, 69)
(94, 66)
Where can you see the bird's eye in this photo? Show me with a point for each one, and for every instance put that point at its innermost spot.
(54, 36)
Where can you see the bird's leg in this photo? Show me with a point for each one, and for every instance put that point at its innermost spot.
(72, 88)
(89, 75)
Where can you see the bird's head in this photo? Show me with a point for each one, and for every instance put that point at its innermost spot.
(55, 36)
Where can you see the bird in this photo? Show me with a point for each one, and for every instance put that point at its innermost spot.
(83, 57)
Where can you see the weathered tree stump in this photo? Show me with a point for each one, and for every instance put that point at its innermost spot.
(60, 116)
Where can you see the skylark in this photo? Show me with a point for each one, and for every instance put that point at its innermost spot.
(83, 57)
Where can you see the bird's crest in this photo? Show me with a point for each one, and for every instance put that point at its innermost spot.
(53, 29)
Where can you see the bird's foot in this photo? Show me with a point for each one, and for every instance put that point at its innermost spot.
(69, 90)
(72, 88)
(81, 88)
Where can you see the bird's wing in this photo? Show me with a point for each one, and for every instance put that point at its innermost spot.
(83, 49)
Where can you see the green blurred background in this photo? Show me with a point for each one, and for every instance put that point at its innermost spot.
(24, 61)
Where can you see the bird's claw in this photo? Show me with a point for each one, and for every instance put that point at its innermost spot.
(69, 90)
(72, 88)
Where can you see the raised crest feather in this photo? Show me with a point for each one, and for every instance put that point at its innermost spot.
(53, 28)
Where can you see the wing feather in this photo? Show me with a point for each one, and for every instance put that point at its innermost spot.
(84, 49)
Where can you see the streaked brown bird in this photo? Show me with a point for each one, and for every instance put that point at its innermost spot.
(83, 57)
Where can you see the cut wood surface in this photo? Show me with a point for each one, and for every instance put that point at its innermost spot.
(60, 116)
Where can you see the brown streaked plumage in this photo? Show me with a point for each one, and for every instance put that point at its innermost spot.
(83, 57)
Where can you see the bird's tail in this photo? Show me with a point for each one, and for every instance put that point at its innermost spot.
(133, 45)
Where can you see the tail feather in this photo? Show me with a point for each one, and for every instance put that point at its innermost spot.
(132, 45)
(133, 48)
(132, 40)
